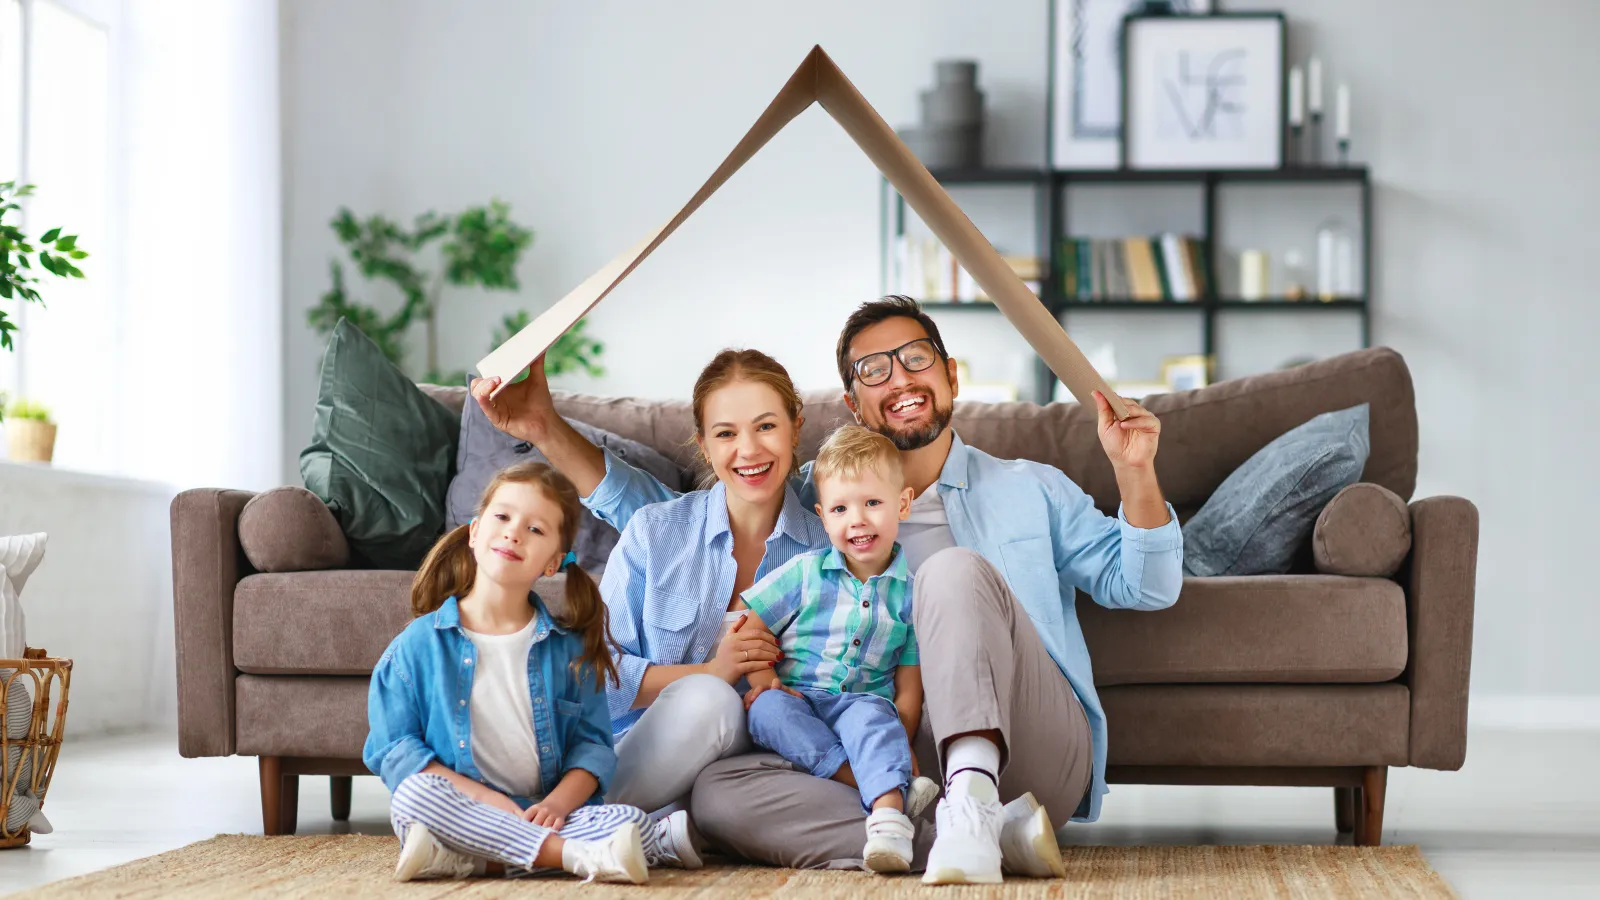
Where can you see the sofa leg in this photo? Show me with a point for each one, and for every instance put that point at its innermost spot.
(340, 786)
(1344, 809)
(280, 797)
(1369, 814)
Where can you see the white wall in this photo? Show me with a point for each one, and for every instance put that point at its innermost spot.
(597, 120)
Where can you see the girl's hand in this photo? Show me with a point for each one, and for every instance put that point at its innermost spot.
(743, 651)
(550, 815)
(751, 695)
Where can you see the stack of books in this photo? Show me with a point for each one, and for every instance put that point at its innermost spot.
(927, 270)
(1163, 267)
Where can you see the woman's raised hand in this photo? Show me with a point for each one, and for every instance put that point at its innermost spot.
(744, 650)
(524, 409)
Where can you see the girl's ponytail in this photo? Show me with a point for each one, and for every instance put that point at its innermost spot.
(587, 615)
(448, 571)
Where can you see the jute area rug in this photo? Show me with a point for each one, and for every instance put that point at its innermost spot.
(348, 867)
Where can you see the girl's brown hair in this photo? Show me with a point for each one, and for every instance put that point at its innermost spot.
(450, 570)
(731, 366)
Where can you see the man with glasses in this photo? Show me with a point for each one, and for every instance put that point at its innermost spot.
(999, 548)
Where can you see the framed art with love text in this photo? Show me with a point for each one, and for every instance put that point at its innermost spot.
(1203, 92)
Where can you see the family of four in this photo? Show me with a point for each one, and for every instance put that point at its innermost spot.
(769, 666)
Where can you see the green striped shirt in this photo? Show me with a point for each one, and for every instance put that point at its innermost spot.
(838, 634)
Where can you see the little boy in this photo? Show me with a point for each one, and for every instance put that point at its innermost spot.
(848, 691)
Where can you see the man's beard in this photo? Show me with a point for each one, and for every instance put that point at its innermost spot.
(915, 437)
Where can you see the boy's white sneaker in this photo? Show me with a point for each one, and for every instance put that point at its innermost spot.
(967, 850)
(922, 792)
(422, 856)
(619, 858)
(678, 841)
(1028, 841)
(888, 848)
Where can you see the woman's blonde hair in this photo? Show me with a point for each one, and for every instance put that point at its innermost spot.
(450, 569)
(851, 450)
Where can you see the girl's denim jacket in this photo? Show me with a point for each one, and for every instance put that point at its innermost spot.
(418, 707)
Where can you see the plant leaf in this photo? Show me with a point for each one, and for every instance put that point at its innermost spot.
(50, 236)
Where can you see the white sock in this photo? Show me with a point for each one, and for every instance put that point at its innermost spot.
(962, 757)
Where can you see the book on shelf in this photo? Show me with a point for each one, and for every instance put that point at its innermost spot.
(1155, 268)
(926, 270)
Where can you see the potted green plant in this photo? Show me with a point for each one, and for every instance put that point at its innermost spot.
(30, 434)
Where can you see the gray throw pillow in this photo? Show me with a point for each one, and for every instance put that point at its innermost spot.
(1263, 513)
(484, 450)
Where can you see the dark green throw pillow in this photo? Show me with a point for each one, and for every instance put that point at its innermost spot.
(382, 453)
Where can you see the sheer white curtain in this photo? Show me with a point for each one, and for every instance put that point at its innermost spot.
(151, 130)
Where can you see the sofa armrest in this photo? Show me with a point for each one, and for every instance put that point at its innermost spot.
(1440, 588)
(206, 566)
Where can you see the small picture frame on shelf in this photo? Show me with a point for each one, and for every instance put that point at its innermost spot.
(1185, 373)
(1203, 92)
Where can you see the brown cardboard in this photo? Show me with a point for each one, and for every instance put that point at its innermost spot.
(819, 80)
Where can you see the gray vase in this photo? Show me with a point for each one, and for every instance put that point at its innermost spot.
(950, 135)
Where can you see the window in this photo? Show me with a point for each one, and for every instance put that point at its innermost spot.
(55, 90)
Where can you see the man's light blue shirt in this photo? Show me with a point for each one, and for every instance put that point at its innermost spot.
(1033, 524)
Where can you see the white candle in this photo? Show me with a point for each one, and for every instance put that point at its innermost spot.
(1297, 112)
(1252, 275)
(1341, 113)
(1314, 87)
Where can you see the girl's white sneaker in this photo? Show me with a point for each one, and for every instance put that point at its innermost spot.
(619, 858)
(422, 856)
(888, 848)
(677, 841)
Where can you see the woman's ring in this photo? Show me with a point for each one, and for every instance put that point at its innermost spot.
(746, 656)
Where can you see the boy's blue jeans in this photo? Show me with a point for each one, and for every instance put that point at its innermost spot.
(826, 730)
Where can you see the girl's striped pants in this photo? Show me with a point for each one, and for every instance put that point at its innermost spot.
(486, 832)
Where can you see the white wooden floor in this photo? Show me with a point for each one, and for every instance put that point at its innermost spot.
(1522, 819)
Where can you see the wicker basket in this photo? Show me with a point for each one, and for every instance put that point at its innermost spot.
(43, 677)
(28, 440)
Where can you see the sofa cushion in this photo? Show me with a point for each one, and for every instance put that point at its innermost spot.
(484, 450)
(1364, 530)
(329, 623)
(1261, 629)
(381, 453)
(322, 718)
(1256, 725)
(290, 529)
(1264, 511)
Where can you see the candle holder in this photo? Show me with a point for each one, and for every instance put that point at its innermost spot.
(1316, 139)
(1344, 151)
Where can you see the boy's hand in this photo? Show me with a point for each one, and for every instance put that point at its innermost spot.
(547, 812)
(751, 695)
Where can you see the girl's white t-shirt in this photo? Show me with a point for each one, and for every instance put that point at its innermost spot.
(503, 743)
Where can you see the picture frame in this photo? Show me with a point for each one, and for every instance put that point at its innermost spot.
(1186, 373)
(1084, 109)
(1204, 92)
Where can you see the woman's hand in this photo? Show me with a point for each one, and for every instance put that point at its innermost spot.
(523, 410)
(549, 812)
(743, 651)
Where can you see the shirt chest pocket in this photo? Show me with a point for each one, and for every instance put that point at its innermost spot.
(668, 626)
(1030, 570)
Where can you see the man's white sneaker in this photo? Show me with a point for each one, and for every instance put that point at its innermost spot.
(967, 850)
(677, 841)
(422, 856)
(1028, 841)
(922, 792)
(888, 848)
(618, 858)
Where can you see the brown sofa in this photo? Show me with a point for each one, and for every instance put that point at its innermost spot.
(1300, 679)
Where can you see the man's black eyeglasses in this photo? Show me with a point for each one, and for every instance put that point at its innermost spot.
(875, 368)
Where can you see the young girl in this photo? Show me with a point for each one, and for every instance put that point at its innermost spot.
(488, 713)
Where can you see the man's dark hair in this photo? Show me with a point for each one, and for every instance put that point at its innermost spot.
(894, 306)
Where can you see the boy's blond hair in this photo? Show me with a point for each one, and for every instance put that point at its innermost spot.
(851, 450)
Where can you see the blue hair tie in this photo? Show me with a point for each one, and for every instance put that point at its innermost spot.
(571, 559)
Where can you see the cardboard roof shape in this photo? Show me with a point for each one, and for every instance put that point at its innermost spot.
(819, 80)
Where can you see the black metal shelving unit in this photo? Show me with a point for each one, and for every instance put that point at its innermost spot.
(1053, 224)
